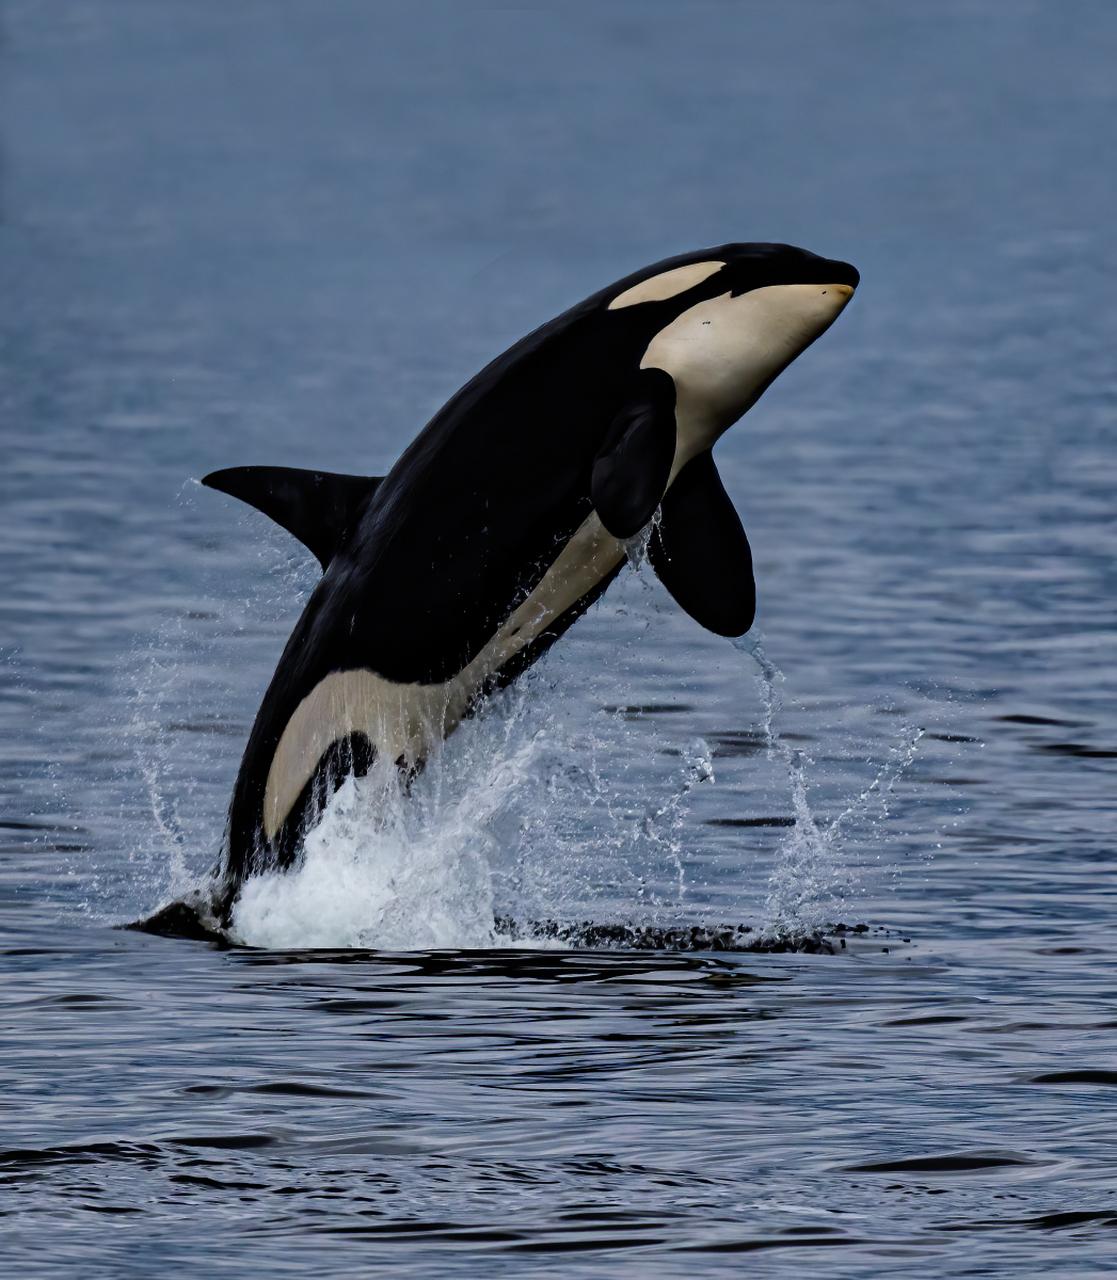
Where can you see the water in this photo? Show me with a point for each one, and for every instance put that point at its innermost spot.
(285, 233)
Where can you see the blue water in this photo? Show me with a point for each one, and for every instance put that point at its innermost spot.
(285, 232)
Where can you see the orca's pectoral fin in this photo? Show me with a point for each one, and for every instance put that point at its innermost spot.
(632, 467)
(700, 553)
(316, 506)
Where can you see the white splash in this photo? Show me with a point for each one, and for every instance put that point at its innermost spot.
(368, 879)
(556, 803)
(521, 814)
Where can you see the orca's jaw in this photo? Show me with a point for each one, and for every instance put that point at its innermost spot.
(723, 352)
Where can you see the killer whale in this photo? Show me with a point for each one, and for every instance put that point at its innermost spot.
(506, 518)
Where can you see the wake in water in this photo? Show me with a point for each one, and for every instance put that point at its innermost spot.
(553, 818)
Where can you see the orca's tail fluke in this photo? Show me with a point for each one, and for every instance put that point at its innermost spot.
(197, 916)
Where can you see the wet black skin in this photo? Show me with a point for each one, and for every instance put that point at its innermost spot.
(422, 568)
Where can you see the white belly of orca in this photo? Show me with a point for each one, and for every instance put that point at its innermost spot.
(404, 722)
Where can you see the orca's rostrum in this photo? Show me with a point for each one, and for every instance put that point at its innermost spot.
(506, 518)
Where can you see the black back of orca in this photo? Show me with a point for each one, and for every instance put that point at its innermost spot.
(423, 566)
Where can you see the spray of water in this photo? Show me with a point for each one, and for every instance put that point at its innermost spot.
(181, 734)
(813, 874)
(551, 805)
(533, 811)
(153, 762)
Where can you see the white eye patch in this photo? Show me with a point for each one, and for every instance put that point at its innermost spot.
(666, 285)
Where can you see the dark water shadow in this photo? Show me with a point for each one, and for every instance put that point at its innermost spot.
(191, 919)
(510, 965)
(961, 1162)
(1041, 1221)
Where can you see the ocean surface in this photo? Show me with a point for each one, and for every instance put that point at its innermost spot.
(507, 1026)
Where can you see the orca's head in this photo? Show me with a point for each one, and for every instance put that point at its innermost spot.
(727, 321)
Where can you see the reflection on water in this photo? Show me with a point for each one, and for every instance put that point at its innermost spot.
(453, 1110)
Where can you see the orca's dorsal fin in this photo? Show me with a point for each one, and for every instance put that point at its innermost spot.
(316, 506)
(700, 553)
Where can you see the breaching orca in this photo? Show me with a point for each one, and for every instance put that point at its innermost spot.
(507, 516)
